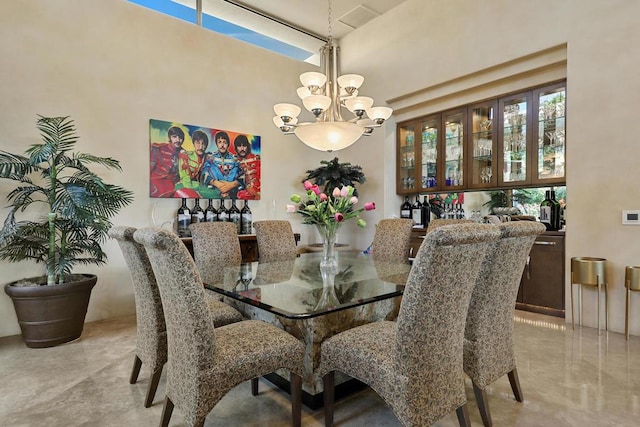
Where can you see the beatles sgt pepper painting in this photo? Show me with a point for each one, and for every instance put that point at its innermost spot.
(195, 162)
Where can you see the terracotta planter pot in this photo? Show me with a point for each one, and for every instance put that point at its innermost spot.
(51, 315)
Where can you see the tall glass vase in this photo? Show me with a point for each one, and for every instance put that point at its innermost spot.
(328, 234)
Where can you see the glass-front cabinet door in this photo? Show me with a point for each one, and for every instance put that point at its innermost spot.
(406, 169)
(482, 149)
(429, 148)
(549, 134)
(514, 163)
(454, 125)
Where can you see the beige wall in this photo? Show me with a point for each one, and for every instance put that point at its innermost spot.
(112, 65)
(420, 45)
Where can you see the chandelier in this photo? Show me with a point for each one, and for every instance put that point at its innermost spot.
(324, 95)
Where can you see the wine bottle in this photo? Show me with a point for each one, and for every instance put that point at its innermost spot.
(234, 215)
(184, 219)
(405, 209)
(556, 212)
(223, 213)
(425, 212)
(197, 214)
(416, 212)
(211, 213)
(246, 218)
(461, 213)
(550, 211)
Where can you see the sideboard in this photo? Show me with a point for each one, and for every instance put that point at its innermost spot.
(248, 246)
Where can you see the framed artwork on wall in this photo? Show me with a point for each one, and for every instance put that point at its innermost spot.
(195, 162)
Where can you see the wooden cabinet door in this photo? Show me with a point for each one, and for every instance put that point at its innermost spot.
(543, 279)
(453, 150)
(549, 128)
(514, 140)
(482, 148)
(407, 152)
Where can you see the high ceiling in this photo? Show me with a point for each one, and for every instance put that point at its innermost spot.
(312, 15)
(296, 28)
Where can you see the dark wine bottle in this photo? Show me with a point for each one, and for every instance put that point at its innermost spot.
(184, 219)
(246, 218)
(223, 213)
(211, 213)
(461, 212)
(234, 215)
(550, 211)
(416, 212)
(425, 212)
(197, 214)
(405, 209)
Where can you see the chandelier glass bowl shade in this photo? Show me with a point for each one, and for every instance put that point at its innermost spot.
(324, 95)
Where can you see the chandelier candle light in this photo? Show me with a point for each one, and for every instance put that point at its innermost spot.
(324, 95)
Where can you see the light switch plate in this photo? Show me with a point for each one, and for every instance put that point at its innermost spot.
(631, 217)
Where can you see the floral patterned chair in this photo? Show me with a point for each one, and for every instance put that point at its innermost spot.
(276, 241)
(215, 246)
(439, 222)
(488, 342)
(151, 333)
(415, 364)
(391, 241)
(206, 362)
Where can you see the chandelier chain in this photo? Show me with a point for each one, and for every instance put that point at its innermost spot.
(329, 19)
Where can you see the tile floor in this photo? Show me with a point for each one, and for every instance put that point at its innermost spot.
(569, 378)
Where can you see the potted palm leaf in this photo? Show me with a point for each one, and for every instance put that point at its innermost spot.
(75, 207)
(334, 174)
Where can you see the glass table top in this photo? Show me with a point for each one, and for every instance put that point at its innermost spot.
(295, 289)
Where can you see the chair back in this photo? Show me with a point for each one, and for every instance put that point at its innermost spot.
(190, 335)
(430, 326)
(392, 240)
(488, 347)
(151, 338)
(439, 222)
(276, 241)
(215, 246)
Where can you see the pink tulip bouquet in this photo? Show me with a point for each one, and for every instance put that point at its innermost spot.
(329, 211)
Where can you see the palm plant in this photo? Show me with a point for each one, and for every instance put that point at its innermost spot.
(334, 174)
(78, 203)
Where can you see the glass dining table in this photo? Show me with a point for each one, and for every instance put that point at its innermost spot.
(296, 297)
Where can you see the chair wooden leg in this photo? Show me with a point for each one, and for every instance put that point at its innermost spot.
(463, 416)
(483, 405)
(137, 363)
(166, 412)
(296, 400)
(254, 386)
(153, 386)
(515, 385)
(329, 388)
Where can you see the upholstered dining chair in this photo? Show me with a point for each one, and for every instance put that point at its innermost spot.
(415, 364)
(392, 240)
(215, 246)
(151, 332)
(275, 239)
(206, 362)
(488, 342)
(439, 222)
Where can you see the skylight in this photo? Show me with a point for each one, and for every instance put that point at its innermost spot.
(185, 10)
